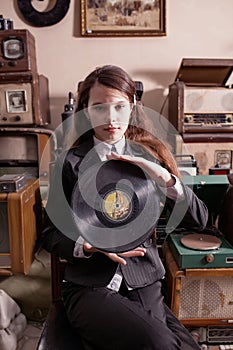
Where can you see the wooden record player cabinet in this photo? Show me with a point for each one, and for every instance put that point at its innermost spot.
(199, 297)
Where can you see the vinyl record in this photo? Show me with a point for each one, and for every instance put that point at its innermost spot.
(115, 206)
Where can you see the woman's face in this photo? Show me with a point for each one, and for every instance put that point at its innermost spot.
(109, 112)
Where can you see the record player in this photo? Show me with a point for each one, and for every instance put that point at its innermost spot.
(199, 250)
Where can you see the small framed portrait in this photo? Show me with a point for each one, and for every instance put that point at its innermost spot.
(123, 18)
(223, 158)
(16, 101)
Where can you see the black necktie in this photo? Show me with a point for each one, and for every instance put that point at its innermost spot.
(113, 149)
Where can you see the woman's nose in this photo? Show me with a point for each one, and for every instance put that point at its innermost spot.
(111, 114)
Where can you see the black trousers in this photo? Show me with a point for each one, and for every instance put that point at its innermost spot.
(124, 320)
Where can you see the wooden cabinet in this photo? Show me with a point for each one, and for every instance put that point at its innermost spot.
(20, 220)
(199, 297)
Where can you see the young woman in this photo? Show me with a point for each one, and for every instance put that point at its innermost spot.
(114, 300)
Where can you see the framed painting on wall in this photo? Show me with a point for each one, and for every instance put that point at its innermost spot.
(108, 18)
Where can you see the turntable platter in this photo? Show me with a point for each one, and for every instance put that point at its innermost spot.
(199, 241)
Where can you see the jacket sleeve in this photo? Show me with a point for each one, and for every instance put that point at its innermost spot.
(58, 232)
(52, 240)
(189, 213)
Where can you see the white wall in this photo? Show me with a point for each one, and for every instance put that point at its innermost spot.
(195, 29)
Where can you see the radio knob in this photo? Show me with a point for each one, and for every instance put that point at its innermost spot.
(229, 119)
(4, 119)
(186, 119)
(209, 258)
(12, 63)
(1, 64)
(17, 118)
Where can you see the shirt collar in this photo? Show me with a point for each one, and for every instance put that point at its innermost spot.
(104, 148)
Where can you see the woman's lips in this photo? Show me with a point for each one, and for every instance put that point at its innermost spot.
(112, 128)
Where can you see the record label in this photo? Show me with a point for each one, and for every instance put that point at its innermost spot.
(116, 205)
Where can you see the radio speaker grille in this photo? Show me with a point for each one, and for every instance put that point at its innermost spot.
(210, 297)
(199, 297)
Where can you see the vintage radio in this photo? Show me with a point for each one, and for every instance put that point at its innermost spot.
(199, 297)
(24, 99)
(199, 100)
(27, 151)
(209, 150)
(20, 214)
(17, 51)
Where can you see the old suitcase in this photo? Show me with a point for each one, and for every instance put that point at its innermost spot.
(20, 217)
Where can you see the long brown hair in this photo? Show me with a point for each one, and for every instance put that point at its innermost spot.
(116, 78)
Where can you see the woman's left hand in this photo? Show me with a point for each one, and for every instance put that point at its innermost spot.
(155, 171)
(117, 257)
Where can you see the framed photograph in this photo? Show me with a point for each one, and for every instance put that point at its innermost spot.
(16, 101)
(106, 18)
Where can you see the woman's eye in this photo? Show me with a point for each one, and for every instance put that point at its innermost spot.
(120, 107)
(98, 108)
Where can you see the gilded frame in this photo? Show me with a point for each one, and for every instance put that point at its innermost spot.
(117, 18)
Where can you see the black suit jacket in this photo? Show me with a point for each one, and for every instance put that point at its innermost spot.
(59, 233)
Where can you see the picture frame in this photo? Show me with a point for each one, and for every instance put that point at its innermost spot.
(16, 101)
(123, 18)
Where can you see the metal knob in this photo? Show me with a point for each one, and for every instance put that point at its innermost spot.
(209, 258)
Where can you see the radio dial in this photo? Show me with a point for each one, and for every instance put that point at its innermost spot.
(187, 119)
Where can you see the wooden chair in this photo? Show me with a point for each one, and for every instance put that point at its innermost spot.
(57, 333)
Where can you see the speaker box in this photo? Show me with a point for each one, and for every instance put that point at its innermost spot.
(199, 297)
(20, 217)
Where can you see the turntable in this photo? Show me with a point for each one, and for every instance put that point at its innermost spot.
(199, 250)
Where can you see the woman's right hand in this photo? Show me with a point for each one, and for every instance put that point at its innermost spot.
(156, 172)
(117, 257)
